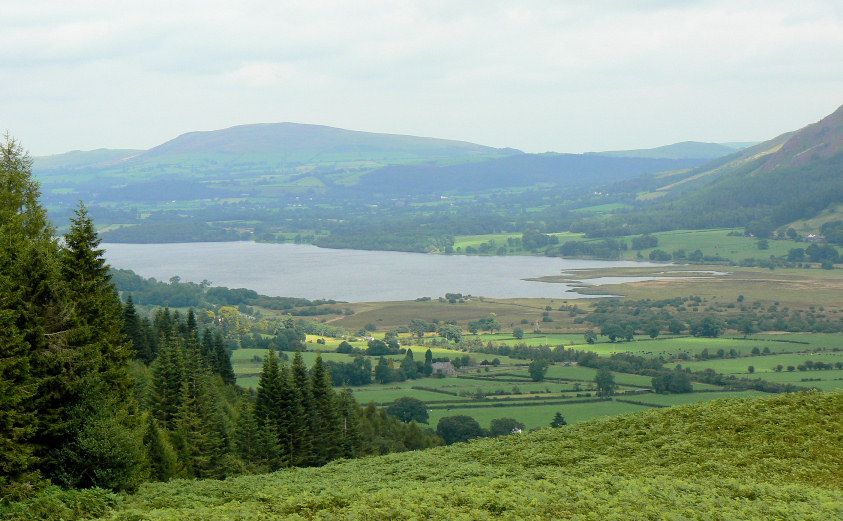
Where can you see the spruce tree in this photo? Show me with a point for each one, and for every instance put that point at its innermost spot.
(349, 417)
(268, 392)
(199, 439)
(160, 457)
(30, 309)
(165, 395)
(222, 361)
(293, 432)
(327, 436)
(133, 330)
(88, 433)
(207, 345)
(304, 420)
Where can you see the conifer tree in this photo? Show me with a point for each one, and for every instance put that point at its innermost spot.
(247, 436)
(167, 376)
(268, 392)
(162, 461)
(134, 331)
(428, 363)
(408, 365)
(207, 345)
(349, 416)
(326, 428)
(300, 383)
(200, 442)
(222, 361)
(16, 422)
(191, 321)
(294, 432)
(31, 312)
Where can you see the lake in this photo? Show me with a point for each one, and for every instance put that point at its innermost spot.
(350, 275)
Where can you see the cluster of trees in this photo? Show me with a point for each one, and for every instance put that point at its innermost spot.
(832, 231)
(644, 242)
(409, 368)
(489, 324)
(606, 249)
(67, 412)
(672, 382)
(623, 318)
(299, 420)
(176, 293)
(173, 231)
(460, 428)
(532, 240)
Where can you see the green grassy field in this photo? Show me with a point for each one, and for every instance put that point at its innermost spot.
(717, 242)
(681, 399)
(763, 364)
(533, 416)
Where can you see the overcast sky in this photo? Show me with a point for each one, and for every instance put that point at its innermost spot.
(566, 76)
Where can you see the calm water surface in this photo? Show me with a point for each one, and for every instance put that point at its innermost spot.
(349, 275)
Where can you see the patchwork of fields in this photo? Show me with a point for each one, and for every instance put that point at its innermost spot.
(506, 391)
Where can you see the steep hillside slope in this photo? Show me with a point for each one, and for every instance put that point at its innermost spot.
(814, 143)
(793, 176)
(778, 458)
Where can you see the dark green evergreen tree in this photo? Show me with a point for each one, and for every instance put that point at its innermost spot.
(327, 436)
(300, 384)
(222, 361)
(133, 330)
(428, 363)
(408, 365)
(294, 434)
(161, 459)
(349, 417)
(165, 395)
(30, 310)
(268, 392)
(200, 441)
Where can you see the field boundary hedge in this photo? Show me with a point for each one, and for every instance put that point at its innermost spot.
(474, 405)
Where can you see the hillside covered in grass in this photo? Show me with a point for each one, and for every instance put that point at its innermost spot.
(778, 458)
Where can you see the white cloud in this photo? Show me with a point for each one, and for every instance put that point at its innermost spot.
(542, 75)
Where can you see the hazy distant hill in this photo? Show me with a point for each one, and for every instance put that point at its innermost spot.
(78, 159)
(683, 150)
(283, 160)
(561, 170)
(271, 146)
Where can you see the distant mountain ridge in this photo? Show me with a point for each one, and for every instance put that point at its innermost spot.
(275, 145)
(683, 150)
(281, 161)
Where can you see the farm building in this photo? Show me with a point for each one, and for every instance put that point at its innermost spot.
(444, 368)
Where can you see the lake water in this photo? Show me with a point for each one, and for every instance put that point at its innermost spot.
(349, 275)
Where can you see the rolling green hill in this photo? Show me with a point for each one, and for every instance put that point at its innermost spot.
(778, 458)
